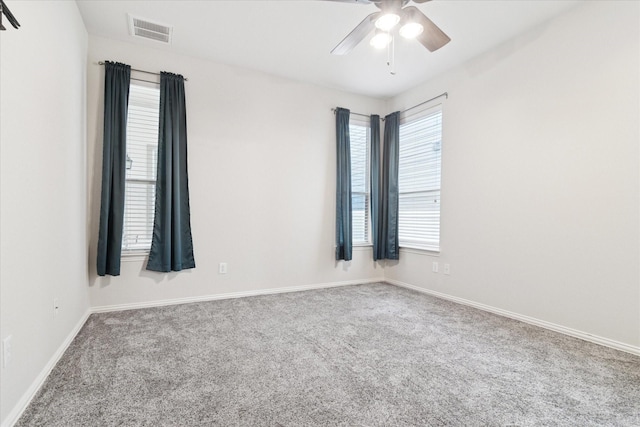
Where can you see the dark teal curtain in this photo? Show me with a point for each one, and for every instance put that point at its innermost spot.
(172, 245)
(344, 245)
(376, 206)
(389, 235)
(116, 100)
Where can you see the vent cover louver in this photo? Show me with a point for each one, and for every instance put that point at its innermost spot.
(149, 30)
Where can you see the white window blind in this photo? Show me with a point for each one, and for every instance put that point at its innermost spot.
(360, 141)
(142, 158)
(419, 180)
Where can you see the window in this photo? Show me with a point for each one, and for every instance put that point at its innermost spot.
(419, 180)
(360, 141)
(142, 158)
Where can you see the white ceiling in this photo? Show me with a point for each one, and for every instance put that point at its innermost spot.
(293, 38)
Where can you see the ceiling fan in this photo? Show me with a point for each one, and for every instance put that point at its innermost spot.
(412, 22)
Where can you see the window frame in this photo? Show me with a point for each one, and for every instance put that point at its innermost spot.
(364, 123)
(136, 253)
(424, 245)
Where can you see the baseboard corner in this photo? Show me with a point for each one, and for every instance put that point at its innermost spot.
(23, 403)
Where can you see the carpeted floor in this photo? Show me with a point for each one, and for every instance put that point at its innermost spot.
(366, 355)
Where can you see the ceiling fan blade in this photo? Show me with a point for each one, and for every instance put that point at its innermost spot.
(420, 1)
(357, 35)
(433, 38)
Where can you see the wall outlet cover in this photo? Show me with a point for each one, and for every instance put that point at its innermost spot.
(222, 268)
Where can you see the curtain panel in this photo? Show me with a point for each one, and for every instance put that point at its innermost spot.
(172, 244)
(376, 205)
(389, 246)
(116, 101)
(344, 246)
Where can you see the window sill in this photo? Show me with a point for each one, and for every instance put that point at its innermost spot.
(421, 251)
(134, 256)
(362, 246)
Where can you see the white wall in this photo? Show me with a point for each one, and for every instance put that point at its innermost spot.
(540, 186)
(540, 180)
(261, 176)
(43, 251)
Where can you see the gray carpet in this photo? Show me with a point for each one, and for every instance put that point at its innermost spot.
(367, 355)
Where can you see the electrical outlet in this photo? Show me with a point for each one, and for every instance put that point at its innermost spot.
(222, 269)
(6, 351)
(447, 269)
(434, 267)
(56, 306)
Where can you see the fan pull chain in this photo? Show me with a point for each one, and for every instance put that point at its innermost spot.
(391, 56)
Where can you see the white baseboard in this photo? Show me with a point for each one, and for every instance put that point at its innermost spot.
(229, 295)
(22, 404)
(617, 345)
(26, 398)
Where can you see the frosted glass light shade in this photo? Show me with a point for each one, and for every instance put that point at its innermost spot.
(387, 21)
(380, 40)
(411, 30)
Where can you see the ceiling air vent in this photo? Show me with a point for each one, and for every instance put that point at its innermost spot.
(149, 30)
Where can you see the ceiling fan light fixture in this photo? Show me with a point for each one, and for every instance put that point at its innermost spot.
(380, 40)
(411, 30)
(387, 21)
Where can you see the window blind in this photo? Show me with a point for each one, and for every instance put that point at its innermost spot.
(360, 140)
(419, 172)
(142, 158)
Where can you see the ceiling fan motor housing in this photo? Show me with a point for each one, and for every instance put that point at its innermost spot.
(388, 6)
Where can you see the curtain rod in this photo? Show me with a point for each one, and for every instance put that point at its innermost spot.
(143, 71)
(403, 111)
(428, 100)
(355, 114)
